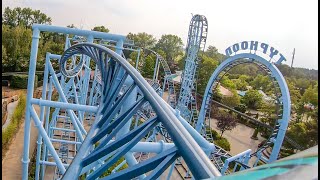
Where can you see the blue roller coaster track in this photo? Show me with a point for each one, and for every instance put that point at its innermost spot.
(101, 119)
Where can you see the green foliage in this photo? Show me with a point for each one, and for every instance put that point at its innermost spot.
(297, 72)
(212, 52)
(16, 119)
(215, 134)
(262, 82)
(252, 99)
(227, 83)
(294, 92)
(20, 81)
(231, 101)
(286, 152)
(240, 84)
(241, 107)
(133, 123)
(301, 131)
(101, 29)
(16, 44)
(217, 96)
(220, 141)
(224, 143)
(172, 46)
(4, 54)
(148, 66)
(16, 39)
(23, 17)
(142, 40)
(207, 66)
(310, 96)
(269, 113)
(298, 133)
(133, 58)
(248, 69)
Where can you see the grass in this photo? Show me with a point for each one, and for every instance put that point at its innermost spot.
(220, 141)
(13, 127)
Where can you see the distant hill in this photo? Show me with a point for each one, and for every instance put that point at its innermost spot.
(298, 72)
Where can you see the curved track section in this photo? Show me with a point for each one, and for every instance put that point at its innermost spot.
(282, 100)
(167, 79)
(197, 37)
(110, 137)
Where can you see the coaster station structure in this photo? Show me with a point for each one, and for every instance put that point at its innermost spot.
(107, 115)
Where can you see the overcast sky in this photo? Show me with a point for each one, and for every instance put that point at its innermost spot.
(283, 24)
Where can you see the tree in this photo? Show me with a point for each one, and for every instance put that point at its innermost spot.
(252, 99)
(25, 17)
(101, 29)
(302, 84)
(249, 69)
(310, 96)
(172, 46)
(4, 57)
(304, 133)
(231, 101)
(240, 84)
(269, 113)
(226, 122)
(298, 133)
(142, 40)
(148, 66)
(294, 92)
(206, 68)
(16, 42)
(241, 108)
(312, 132)
(227, 83)
(71, 26)
(212, 52)
(261, 82)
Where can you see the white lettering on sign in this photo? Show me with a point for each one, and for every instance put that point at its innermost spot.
(254, 46)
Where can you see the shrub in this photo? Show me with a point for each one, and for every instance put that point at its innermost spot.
(241, 107)
(286, 152)
(223, 143)
(21, 81)
(12, 128)
(220, 141)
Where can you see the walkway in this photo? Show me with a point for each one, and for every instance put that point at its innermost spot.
(11, 164)
(239, 138)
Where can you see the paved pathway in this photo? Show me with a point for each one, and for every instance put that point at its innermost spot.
(239, 138)
(11, 164)
(10, 109)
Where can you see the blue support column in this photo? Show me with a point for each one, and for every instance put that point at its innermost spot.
(42, 109)
(31, 77)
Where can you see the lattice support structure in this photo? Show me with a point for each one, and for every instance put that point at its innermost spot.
(197, 37)
(108, 103)
(94, 117)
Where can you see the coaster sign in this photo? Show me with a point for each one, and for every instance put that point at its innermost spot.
(253, 47)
